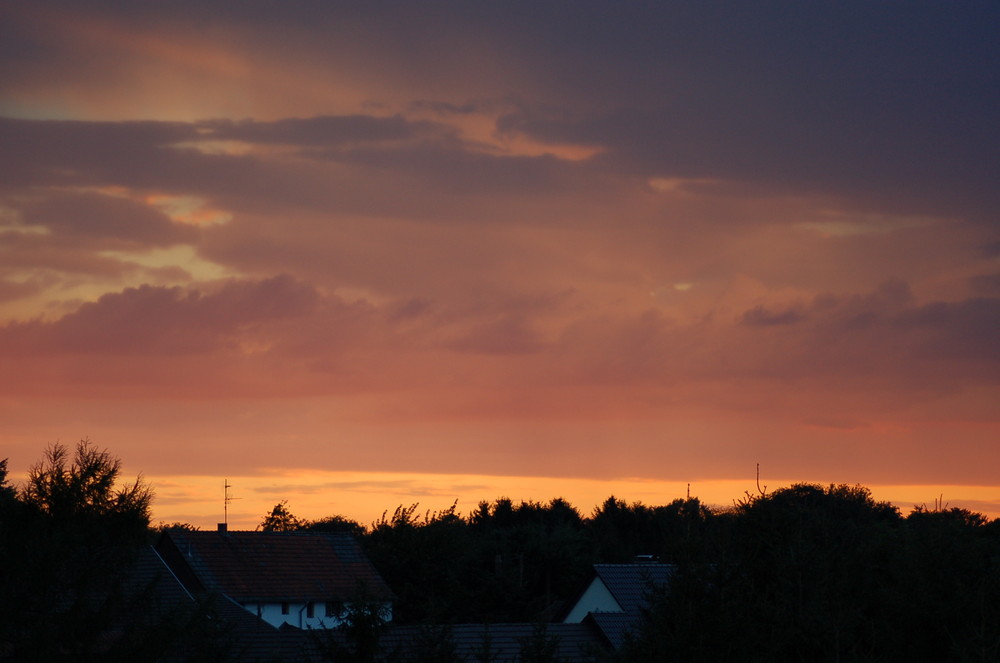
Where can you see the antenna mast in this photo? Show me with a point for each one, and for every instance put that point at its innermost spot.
(226, 501)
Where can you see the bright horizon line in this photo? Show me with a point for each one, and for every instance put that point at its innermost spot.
(366, 496)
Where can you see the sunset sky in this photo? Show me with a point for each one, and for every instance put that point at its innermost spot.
(354, 255)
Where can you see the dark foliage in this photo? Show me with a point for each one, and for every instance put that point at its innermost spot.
(337, 524)
(70, 546)
(359, 638)
(828, 574)
(804, 573)
(280, 519)
(433, 644)
(539, 647)
(503, 563)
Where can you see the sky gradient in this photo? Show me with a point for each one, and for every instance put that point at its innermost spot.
(357, 256)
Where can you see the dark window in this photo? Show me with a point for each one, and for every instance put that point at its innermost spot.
(334, 608)
(284, 608)
(309, 610)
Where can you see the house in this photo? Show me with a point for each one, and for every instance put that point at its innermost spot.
(617, 598)
(303, 579)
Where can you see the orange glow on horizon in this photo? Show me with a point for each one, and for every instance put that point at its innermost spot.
(365, 496)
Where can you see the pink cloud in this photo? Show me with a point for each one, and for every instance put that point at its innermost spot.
(152, 320)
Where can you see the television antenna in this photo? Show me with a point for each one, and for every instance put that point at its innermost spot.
(226, 501)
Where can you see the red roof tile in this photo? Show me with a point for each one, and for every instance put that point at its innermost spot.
(273, 566)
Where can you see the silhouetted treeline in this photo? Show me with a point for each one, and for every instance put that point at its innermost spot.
(804, 573)
(828, 574)
(517, 561)
(70, 541)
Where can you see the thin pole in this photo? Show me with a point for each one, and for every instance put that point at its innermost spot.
(225, 503)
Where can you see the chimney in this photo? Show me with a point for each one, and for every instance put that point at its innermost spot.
(223, 528)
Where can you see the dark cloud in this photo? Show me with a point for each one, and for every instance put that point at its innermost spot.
(762, 317)
(886, 333)
(881, 336)
(964, 330)
(70, 232)
(94, 217)
(895, 107)
(448, 108)
(435, 176)
(991, 250)
(861, 311)
(467, 173)
(322, 131)
(509, 335)
(41, 251)
(986, 284)
(160, 320)
(808, 149)
(409, 309)
(71, 152)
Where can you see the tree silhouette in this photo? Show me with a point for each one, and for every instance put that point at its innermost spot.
(280, 519)
(70, 536)
(85, 486)
(338, 524)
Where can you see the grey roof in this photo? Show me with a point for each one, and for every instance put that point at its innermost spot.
(148, 571)
(615, 626)
(630, 584)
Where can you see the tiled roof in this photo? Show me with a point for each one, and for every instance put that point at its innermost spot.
(252, 640)
(614, 625)
(273, 566)
(630, 584)
(573, 641)
(149, 571)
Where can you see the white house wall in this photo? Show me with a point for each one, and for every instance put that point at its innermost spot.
(297, 615)
(597, 598)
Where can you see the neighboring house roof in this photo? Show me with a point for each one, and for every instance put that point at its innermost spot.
(253, 640)
(148, 572)
(163, 620)
(630, 584)
(273, 567)
(614, 626)
(617, 598)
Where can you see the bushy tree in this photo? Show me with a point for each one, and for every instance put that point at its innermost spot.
(86, 487)
(359, 638)
(69, 536)
(7, 491)
(280, 519)
(338, 524)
